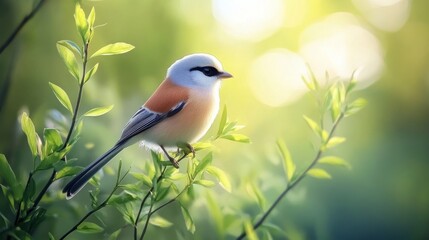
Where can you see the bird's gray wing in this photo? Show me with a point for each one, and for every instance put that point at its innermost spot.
(144, 119)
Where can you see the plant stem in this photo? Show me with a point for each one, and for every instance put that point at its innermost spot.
(147, 219)
(20, 26)
(18, 212)
(41, 193)
(150, 213)
(296, 181)
(103, 204)
(72, 126)
(79, 97)
(144, 201)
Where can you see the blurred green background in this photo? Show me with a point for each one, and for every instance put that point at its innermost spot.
(265, 45)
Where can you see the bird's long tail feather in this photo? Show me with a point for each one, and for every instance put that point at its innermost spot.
(79, 181)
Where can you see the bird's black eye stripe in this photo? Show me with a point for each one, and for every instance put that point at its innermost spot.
(207, 70)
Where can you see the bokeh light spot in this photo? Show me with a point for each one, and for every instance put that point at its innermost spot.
(275, 77)
(249, 19)
(340, 46)
(387, 15)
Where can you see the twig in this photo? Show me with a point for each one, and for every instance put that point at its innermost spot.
(144, 201)
(148, 218)
(294, 183)
(24, 21)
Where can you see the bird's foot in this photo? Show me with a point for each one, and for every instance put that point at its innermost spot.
(173, 161)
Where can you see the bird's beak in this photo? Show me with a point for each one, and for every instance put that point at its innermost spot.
(224, 75)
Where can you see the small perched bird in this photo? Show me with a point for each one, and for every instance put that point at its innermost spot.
(178, 113)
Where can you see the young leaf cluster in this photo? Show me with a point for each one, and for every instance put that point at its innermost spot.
(49, 151)
(332, 101)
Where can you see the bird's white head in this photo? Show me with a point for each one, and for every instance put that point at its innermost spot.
(197, 71)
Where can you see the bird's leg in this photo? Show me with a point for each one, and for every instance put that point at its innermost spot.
(187, 149)
(172, 160)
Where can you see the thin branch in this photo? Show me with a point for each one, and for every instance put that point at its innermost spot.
(41, 193)
(8, 79)
(148, 218)
(144, 201)
(294, 183)
(24, 21)
(103, 204)
(79, 97)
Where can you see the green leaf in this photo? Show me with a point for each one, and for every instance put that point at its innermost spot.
(51, 237)
(310, 85)
(334, 141)
(221, 176)
(201, 145)
(352, 83)
(231, 126)
(319, 173)
(122, 198)
(62, 97)
(89, 227)
(288, 164)
(19, 234)
(313, 78)
(156, 159)
(9, 196)
(6, 172)
(142, 177)
(29, 192)
(254, 191)
(115, 234)
(69, 59)
(204, 183)
(53, 141)
(50, 160)
(90, 73)
(71, 45)
(333, 160)
(67, 171)
(161, 192)
(314, 126)
(29, 130)
(160, 222)
(250, 232)
(81, 22)
(355, 106)
(113, 49)
(237, 137)
(98, 111)
(206, 161)
(91, 18)
(336, 102)
(223, 120)
(188, 220)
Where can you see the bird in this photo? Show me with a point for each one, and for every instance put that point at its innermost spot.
(177, 114)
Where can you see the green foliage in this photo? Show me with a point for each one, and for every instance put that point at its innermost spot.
(113, 49)
(29, 130)
(89, 227)
(288, 165)
(226, 129)
(62, 97)
(51, 154)
(333, 103)
(69, 59)
(95, 112)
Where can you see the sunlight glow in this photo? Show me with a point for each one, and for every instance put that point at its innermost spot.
(249, 19)
(275, 77)
(387, 15)
(339, 45)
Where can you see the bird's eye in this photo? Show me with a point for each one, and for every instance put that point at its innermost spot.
(208, 71)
